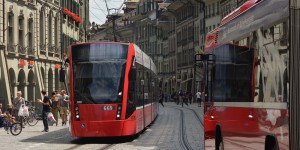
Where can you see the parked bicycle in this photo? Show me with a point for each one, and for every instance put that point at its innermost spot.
(14, 128)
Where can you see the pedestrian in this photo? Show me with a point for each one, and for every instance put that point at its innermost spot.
(46, 109)
(185, 98)
(161, 98)
(198, 96)
(180, 93)
(1, 116)
(17, 103)
(190, 96)
(64, 103)
(176, 98)
(54, 106)
(9, 114)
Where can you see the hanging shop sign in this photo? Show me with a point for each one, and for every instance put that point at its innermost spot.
(30, 64)
(22, 63)
(57, 66)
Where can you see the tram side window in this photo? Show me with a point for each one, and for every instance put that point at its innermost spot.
(233, 70)
(154, 86)
(150, 90)
(131, 104)
(146, 89)
(139, 87)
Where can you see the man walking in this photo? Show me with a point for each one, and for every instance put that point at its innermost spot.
(46, 109)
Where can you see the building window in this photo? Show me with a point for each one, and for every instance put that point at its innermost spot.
(21, 33)
(209, 10)
(42, 23)
(218, 8)
(10, 29)
(50, 30)
(213, 9)
(55, 31)
(30, 34)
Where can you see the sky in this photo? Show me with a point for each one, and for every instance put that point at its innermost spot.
(98, 10)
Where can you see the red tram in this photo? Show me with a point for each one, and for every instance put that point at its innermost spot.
(247, 85)
(113, 89)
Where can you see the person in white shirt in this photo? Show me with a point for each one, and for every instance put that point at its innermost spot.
(198, 95)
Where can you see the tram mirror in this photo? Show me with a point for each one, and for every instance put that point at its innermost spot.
(132, 75)
(62, 75)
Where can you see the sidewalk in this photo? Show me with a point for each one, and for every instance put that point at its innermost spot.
(32, 130)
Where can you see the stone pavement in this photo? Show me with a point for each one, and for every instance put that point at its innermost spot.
(163, 134)
(31, 137)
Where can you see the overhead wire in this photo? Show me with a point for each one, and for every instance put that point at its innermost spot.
(96, 17)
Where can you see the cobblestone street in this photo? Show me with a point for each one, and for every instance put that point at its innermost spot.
(168, 131)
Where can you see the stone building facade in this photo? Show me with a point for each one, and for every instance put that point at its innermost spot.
(171, 32)
(32, 46)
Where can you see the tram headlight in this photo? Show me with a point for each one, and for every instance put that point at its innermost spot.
(118, 117)
(212, 117)
(77, 117)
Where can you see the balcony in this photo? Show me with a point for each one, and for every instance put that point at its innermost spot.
(31, 51)
(51, 49)
(43, 48)
(57, 51)
(11, 48)
(55, 2)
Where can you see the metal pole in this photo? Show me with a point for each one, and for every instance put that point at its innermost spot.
(114, 30)
(61, 30)
(85, 11)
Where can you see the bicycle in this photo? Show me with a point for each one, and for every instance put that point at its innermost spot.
(32, 119)
(15, 128)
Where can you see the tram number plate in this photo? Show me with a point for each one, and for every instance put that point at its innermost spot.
(108, 108)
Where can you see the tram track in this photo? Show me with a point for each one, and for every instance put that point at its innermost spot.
(161, 124)
(184, 143)
(183, 135)
(197, 116)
